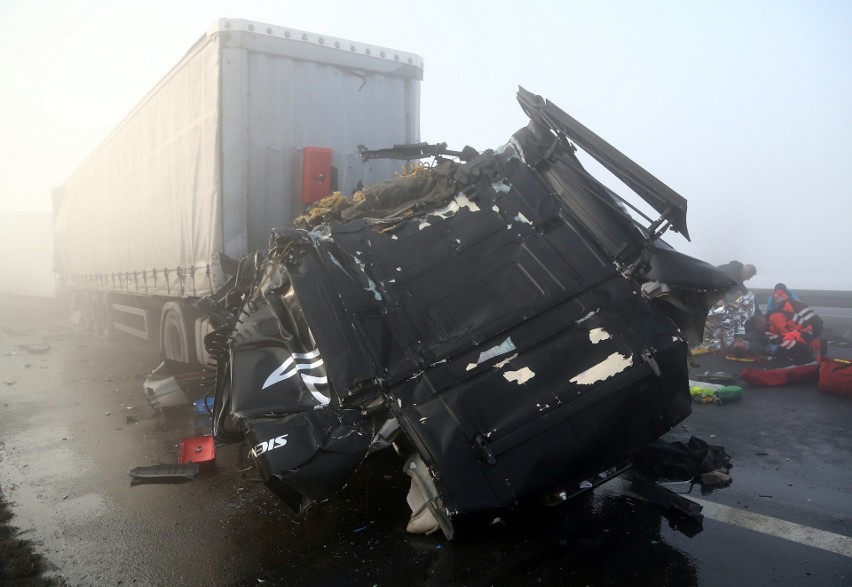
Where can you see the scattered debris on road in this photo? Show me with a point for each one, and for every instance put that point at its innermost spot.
(165, 473)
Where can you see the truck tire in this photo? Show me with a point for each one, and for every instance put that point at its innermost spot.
(177, 336)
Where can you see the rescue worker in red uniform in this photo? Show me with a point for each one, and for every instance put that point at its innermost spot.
(794, 327)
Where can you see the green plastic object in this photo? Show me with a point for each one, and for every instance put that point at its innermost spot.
(712, 393)
(730, 393)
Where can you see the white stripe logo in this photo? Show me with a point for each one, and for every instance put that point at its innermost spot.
(299, 363)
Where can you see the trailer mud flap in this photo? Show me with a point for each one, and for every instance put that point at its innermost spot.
(309, 456)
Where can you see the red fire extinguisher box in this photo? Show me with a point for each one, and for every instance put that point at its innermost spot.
(316, 174)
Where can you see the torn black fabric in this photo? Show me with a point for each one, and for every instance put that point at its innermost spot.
(681, 461)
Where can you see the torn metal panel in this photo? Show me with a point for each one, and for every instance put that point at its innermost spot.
(309, 456)
(503, 321)
(165, 387)
(670, 204)
(494, 441)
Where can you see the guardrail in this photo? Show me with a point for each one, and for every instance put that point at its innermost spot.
(825, 298)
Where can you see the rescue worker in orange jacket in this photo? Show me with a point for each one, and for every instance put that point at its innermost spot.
(794, 327)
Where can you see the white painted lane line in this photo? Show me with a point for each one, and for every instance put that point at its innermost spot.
(836, 543)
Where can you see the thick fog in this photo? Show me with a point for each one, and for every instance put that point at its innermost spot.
(741, 107)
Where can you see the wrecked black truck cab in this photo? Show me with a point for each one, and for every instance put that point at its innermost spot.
(502, 320)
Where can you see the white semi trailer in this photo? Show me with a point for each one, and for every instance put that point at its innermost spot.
(254, 123)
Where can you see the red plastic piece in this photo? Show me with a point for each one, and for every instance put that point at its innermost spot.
(198, 449)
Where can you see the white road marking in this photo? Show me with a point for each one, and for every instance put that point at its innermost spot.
(836, 543)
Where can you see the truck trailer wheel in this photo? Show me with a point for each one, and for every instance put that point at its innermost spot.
(177, 340)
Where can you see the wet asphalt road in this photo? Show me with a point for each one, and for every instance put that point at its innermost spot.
(74, 421)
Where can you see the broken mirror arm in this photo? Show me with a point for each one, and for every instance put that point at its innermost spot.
(416, 151)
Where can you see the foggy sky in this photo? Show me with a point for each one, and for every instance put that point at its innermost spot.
(743, 107)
